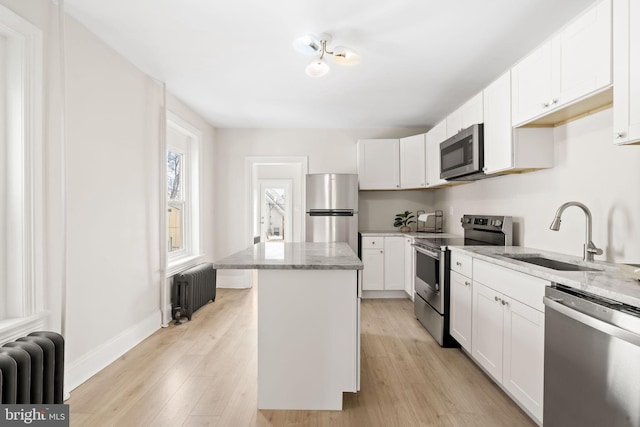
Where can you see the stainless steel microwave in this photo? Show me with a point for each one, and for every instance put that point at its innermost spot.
(462, 155)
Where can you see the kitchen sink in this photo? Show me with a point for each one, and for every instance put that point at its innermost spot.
(550, 263)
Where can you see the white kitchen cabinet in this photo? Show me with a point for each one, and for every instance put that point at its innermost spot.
(384, 263)
(434, 137)
(508, 341)
(379, 164)
(470, 113)
(461, 297)
(626, 72)
(460, 309)
(508, 331)
(508, 149)
(523, 355)
(573, 65)
(373, 260)
(532, 85)
(394, 267)
(412, 162)
(487, 329)
(409, 267)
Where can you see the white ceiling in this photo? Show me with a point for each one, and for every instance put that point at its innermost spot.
(233, 61)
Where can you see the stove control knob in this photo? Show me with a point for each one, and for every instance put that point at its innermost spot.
(497, 223)
(466, 220)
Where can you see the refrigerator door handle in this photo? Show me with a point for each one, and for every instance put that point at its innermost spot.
(331, 212)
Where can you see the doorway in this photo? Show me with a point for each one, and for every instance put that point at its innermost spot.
(275, 210)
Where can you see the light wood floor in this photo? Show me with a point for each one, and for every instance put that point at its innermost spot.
(203, 373)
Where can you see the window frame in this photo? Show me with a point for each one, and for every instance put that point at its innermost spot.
(23, 218)
(190, 148)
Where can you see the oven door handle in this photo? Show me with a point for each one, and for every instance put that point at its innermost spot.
(422, 250)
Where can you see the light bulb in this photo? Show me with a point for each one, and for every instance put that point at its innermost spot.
(345, 56)
(317, 68)
(308, 44)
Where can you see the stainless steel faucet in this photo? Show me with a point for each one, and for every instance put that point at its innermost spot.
(589, 248)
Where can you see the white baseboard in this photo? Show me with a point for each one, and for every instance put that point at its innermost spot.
(91, 363)
(384, 294)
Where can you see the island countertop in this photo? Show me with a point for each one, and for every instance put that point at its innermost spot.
(293, 256)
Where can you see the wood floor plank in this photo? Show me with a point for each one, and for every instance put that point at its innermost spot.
(204, 373)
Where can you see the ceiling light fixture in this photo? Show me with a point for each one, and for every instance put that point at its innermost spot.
(312, 45)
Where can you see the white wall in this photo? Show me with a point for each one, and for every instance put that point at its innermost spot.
(328, 150)
(589, 169)
(115, 176)
(379, 208)
(113, 157)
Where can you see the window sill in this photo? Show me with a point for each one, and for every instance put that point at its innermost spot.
(11, 329)
(177, 265)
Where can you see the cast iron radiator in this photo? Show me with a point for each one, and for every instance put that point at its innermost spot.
(192, 289)
(32, 369)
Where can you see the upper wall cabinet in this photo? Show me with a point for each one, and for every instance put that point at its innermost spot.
(626, 77)
(435, 136)
(412, 162)
(560, 79)
(379, 164)
(508, 149)
(470, 113)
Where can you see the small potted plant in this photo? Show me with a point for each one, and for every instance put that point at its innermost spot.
(403, 220)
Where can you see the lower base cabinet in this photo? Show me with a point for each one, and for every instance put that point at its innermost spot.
(523, 355)
(460, 309)
(384, 263)
(508, 342)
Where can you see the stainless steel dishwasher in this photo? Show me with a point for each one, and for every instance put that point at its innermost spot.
(591, 360)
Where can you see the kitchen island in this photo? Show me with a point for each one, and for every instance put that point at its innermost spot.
(308, 322)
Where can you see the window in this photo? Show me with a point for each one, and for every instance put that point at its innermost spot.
(177, 201)
(183, 144)
(21, 165)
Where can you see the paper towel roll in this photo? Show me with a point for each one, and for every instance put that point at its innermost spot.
(423, 217)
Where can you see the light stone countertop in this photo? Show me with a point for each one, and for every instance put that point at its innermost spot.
(292, 256)
(392, 233)
(610, 282)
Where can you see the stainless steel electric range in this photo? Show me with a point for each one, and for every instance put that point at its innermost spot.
(431, 302)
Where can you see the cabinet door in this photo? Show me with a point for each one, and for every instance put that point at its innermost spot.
(581, 56)
(373, 272)
(454, 122)
(394, 263)
(498, 147)
(379, 164)
(487, 329)
(626, 57)
(469, 113)
(524, 355)
(409, 273)
(460, 309)
(472, 111)
(412, 162)
(435, 136)
(531, 85)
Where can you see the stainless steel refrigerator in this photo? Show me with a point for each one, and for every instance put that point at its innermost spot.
(332, 208)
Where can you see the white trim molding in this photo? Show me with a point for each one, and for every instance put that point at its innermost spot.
(22, 162)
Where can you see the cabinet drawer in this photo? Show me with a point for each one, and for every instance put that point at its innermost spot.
(372, 242)
(522, 287)
(461, 263)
